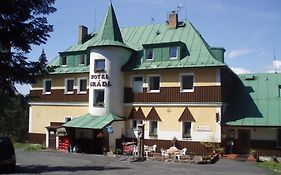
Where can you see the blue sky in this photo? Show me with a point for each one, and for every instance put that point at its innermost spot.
(249, 30)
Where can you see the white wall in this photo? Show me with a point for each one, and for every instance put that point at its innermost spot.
(114, 57)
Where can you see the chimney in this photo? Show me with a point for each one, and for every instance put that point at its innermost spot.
(173, 20)
(83, 32)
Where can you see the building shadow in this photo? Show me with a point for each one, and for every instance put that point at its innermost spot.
(37, 169)
(238, 102)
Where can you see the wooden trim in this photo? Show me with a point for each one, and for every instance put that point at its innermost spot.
(186, 116)
(192, 147)
(153, 115)
(173, 94)
(58, 95)
(136, 115)
(36, 138)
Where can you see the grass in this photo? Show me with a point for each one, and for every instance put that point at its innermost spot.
(29, 147)
(271, 165)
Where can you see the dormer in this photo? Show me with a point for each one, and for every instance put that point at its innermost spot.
(164, 51)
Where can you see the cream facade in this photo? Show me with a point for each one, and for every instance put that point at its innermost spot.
(117, 79)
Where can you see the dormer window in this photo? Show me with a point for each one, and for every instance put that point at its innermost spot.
(100, 65)
(63, 61)
(149, 54)
(173, 53)
(81, 60)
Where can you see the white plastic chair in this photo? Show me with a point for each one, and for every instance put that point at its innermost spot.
(164, 153)
(150, 149)
(135, 150)
(180, 153)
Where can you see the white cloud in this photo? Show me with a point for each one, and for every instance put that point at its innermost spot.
(275, 67)
(238, 52)
(239, 70)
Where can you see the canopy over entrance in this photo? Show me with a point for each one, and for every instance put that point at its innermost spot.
(89, 121)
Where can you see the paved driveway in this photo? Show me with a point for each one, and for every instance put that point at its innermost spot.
(64, 163)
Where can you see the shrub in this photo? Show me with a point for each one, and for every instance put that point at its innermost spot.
(34, 147)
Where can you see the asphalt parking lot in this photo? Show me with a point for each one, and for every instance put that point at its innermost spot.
(53, 162)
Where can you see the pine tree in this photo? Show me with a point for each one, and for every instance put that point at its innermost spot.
(22, 23)
(43, 59)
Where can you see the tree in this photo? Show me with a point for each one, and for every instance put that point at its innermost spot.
(43, 59)
(14, 116)
(23, 23)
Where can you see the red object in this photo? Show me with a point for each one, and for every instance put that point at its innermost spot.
(63, 143)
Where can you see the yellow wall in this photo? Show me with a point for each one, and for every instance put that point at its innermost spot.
(171, 78)
(43, 115)
(203, 116)
(58, 80)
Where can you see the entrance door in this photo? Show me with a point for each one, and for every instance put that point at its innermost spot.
(52, 139)
(243, 142)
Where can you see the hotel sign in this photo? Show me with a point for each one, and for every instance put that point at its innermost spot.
(100, 80)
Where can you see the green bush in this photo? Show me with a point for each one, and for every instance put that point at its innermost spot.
(34, 147)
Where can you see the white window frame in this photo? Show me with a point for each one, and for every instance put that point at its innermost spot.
(99, 71)
(132, 82)
(65, 86)
(146, 58)
(138, 122)
(44, 86)
(79, 85)
(94, 98)
(81, 57)
(191, 124)
(176, 57)
(157, 129)
(148, 83)
(181, 84)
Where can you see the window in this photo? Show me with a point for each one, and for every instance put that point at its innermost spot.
(279, 90)
(153, 128)
(173, 52)
(63, 61)
(137, 84)
(81, 59)
(99, 98)
(67, 119)
(186, 129)
(99, 65)
(69, 86)
(187, 81)
(82, 85)
(154, 83)
(149, 54)
(47, 84)
(135, 123)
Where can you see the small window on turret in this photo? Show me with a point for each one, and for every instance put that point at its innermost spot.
(149, 54)
(100, 65)
(173, 52)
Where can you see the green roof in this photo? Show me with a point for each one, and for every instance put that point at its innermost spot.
(197, 52)
(89, 121)
(256, 102)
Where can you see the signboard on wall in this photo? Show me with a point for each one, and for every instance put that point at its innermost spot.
(100, 80)
(204, 128)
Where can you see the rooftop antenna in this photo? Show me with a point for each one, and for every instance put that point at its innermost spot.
(152, 20)
(275, 66)
(95, 16)
(185, 15)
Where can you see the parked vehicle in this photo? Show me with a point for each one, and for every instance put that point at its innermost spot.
(7, 155)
